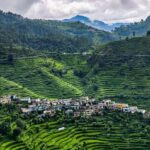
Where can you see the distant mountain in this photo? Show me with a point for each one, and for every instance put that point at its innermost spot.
(50, 35)
(79, 18)
(96, 23)
(139, 29)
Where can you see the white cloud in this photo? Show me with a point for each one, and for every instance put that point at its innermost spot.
(107, 10)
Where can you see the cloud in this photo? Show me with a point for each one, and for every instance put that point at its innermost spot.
(107, 10)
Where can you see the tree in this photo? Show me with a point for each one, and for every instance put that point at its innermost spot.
(95, 87)
(133, 33)
(127, 38)
(10, 58)
(20, 124)
(148, 33)
(79, 73)
(16, 132)
(4, 128)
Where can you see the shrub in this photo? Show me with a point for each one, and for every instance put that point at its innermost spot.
(16, 132)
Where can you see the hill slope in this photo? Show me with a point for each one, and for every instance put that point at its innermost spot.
(140, 29)
(122, 70)
(50, 35)
(119, 70)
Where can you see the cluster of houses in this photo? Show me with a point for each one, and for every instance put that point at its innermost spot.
(83, 106)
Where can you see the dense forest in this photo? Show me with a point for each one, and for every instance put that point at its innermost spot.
(134, 29)
(50, 35)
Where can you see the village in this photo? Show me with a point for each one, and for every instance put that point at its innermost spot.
(75, 107)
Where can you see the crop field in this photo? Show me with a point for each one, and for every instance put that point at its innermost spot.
(113, 130)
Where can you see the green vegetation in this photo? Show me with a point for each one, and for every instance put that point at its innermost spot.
(134, 29)
(118, 70)
(45, 77)
(50, 35)
(112, 130)
(121, 72)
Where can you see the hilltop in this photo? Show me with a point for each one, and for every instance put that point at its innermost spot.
(139, 28)
(95, 23)
(49, 34)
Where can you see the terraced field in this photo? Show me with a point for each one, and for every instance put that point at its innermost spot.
(39, 77)
(103, 133)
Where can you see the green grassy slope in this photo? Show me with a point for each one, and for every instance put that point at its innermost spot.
(112, 131)
(39, 75)
(8, 87)
(123, 72)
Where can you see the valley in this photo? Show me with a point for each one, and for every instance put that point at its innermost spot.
(52, 61)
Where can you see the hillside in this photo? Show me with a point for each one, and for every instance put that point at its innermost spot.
(50, 35)
(119, 70)
(140, 29)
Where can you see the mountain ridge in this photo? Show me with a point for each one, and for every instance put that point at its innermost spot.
(50, 35)
(95, 23)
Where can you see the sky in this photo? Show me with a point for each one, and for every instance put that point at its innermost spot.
(106, 10)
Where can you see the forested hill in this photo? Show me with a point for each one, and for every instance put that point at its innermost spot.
(130, 52)
(50, 35)
(139, 28)
(122, 70)
(118, 70)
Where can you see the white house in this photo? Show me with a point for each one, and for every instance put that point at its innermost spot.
(133, 109)
(26, 110)
(61, 129)
(27, 99)
(5, 100)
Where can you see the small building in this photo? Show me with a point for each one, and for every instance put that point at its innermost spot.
(85, 99)
(69, 112)
(61, 129)
(50, 113)
(77, 114)
(5, 100)
(58, 107)
(88, 112)
(147, 115)
(26, 110)
(100, 105)
(27, 100)
(14, 97)
(32, 107)
(120, 106)
(37, 101)
(133, 109)
(106, 103)
(41, 116)
(75, 107)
